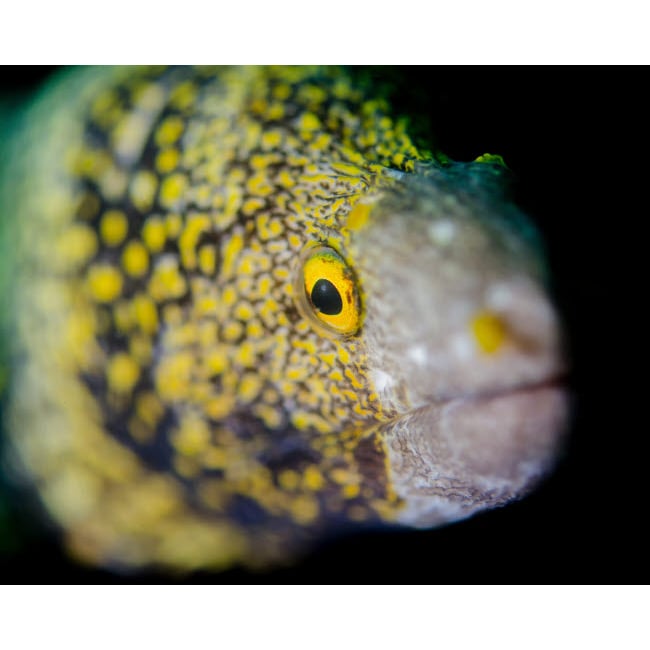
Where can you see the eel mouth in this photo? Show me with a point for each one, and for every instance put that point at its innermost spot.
(555, 383)
(450, 459)
(499, 430)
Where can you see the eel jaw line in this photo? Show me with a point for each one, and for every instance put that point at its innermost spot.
(453, 458)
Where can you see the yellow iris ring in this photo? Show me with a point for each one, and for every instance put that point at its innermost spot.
(324, 263)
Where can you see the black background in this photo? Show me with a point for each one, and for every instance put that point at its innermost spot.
(567, 133)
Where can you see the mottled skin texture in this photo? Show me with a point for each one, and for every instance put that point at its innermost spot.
(175, 397)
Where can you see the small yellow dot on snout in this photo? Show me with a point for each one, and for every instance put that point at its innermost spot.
(489, 331)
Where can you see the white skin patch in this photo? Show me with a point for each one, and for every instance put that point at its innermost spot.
(395, 173)
(431, 507)
(442, 232)
(463, 346)
(382, 380)
(498, 297)
(418, 354)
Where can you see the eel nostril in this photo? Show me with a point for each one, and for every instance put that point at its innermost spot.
(517, 313)
(489, 330)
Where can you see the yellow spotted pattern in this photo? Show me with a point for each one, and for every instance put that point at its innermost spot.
(204, 418)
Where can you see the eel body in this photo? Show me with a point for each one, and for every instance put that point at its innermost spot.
(246, 312)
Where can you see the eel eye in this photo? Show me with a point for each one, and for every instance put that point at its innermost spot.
(330, 295)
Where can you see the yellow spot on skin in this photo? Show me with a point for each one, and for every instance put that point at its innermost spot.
(489, 331)
(183, 95)
(321, 142)
(77, 245)
(173, 225)
(172, 315)
(196, 224)
(206, 305)
(143, 190)
(166, 281)
(342, 476)
(154, 234)
(245, 355)
(351, 491)
(329, 358)
(192, 437)
(105, 109)
(173, 376)
(167, 160)
(122, 373)
(135, 259)
(275, 111)
(258, 106)
(354, 382)
(122, 316)
(492, 158)
(229, 296)
(217, 361)
(251, 206)
(243, 311)
(289, 479)
(231, 250)
(254, 329)
(207, 259)
(149, 97)
(169, 131)
(268, 228)
(344, 355)
(113, 183)
(215, 458)
(276, 228)
(309, 122)
(282, 91)
(271, 139)
(346, 169)
(294, 241)
(113, 227)
(313, 479)
(172, 190)
(104, 283)
(246, 265)
(336, 375)
(358, 216)
(303, 420)
(141, 349)
(304, 509)
(268, 312)
(219, 407)
(129, 135)
(258, 185)
(285, 179)
(203, 195)
(146, 314)
(308, 346)
(232, 331)
(249, 387)
(269, 415)
(298, 373)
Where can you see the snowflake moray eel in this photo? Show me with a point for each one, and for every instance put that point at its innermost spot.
(247, 312)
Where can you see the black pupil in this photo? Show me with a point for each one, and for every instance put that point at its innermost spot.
(326, 297)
